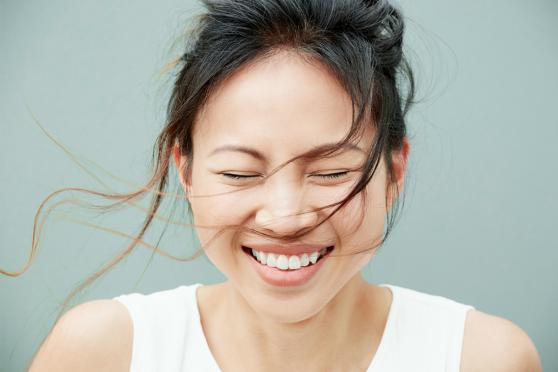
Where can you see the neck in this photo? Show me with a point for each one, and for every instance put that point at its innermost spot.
(318, 341)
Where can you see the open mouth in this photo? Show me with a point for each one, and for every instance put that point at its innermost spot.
(248, 251)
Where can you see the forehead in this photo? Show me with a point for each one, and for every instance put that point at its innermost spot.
(283, 103)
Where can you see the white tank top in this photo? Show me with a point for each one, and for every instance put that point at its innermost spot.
(423, 333)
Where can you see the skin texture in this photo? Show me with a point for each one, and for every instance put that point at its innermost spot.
(280, 107)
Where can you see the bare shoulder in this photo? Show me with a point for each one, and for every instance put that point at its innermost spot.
(94, 336)
(492, 343)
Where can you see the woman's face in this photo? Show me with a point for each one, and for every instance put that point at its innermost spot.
(279, 108)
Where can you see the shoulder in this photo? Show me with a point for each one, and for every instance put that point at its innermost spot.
(94, 336)
(492, 343)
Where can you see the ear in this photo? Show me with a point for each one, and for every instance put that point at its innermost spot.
(180, 162)
(400, 163)
(400, 160)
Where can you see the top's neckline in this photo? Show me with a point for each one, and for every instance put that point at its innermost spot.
(386, 335)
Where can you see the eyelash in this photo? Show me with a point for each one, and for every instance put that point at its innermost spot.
(327, 176)
(333, 175)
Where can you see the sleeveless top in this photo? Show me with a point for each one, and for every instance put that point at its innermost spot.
(423, 333)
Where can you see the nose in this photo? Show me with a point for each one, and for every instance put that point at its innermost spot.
(283, 211)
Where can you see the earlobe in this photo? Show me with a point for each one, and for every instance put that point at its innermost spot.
(176, 155)
(399, 161)
(180, 163)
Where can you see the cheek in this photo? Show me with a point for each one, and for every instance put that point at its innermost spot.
(360, 223)
(215, 204)
(216, 213)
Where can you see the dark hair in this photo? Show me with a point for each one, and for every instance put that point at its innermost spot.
(358, 41)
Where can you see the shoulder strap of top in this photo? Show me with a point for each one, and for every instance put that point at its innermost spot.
(161, 322)
(424, 333)
(455, 337)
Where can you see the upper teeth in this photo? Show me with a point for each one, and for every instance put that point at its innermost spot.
(284, 262)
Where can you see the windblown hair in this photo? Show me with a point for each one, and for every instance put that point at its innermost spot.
(358, 41)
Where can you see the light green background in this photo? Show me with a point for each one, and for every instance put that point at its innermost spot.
(480, 220)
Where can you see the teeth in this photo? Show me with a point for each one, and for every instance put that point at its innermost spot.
(284, 262)
(271, 260)
(262, 257)
(314, 257)
(304, 261)
(294, 262)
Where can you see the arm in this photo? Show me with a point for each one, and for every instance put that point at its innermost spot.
(495, 344)
(94, 336)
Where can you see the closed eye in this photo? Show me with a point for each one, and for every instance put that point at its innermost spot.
(246, 176)
(332, 175)
(238, 176)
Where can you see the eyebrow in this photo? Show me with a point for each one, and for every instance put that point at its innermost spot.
(258, 155)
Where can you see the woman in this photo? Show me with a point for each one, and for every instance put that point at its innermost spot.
(287, 127)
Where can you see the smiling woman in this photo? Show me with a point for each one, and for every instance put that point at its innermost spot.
(287, 127)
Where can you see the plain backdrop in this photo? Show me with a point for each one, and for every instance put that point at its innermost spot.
(480, 219)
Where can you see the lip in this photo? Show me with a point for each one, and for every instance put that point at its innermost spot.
(285, 278)
(289, 250)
